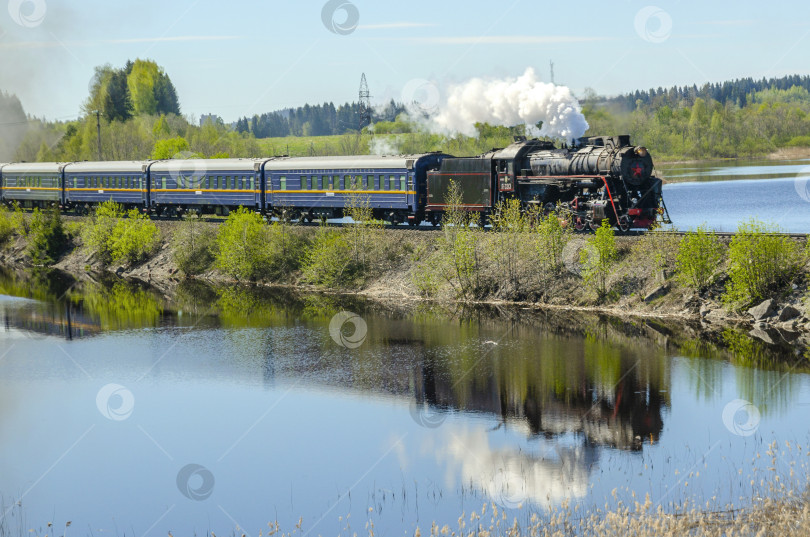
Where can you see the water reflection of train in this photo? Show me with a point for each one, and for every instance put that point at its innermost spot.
(64, 320)
(624, 416)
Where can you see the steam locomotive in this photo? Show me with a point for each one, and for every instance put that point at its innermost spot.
(594, 179)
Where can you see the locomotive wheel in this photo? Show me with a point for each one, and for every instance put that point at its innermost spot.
(593, 225)
(579, 224)
(624, 224)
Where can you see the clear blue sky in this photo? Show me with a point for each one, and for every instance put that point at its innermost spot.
(240, 58)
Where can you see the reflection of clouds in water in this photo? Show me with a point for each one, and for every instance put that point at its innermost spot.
(509, 477)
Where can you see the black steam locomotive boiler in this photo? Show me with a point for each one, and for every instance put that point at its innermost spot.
(595, 179)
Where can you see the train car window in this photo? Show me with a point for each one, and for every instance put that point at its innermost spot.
(163, 186)
(392, 182)
(75, 182)
(252, 184)
(403, 182)
(381, 185)
(304, 180)
(369, 182)
(282, 182)
(358, 182)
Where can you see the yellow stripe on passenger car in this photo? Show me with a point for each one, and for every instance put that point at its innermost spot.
(105, 190)
(200, 190)
(342, 191)
(30, 188)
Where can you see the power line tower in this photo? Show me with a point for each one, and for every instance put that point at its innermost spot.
(551, 65)
(364, 99)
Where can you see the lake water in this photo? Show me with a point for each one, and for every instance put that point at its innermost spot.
(723, 194)
(130, 414)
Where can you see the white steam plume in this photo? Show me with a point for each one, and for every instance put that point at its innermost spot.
(509, 102)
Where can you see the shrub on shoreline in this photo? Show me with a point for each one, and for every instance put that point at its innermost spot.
(699, 254)
(241, 248)
(47, 237)
(598, 258)
(760, 263)
(192, 247)
(115, 238)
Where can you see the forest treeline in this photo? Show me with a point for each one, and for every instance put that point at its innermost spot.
(742, 118)
(317, 120)
(141, 118)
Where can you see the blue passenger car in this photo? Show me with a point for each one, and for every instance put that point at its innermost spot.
(2, 164)
(321, 187)
(89, 183)
(37, 184)
(217, 185)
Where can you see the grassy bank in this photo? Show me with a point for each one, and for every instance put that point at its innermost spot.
(524, 258)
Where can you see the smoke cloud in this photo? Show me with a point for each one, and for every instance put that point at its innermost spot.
(511, 101)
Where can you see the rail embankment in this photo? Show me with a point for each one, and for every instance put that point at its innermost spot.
(756, 279)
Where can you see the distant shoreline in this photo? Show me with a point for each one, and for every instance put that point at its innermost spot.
(786, 153)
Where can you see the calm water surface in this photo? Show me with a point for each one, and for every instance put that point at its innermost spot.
(129, 414)
(723, 194)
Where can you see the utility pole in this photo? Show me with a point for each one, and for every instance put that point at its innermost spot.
(551, 65)
(98, 130)
(364, 98)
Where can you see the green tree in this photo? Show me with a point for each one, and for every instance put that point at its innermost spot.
(141, 82)
(97, 233)
(133, 238)
(241, 244)
(166, 95)
(460, 246)
(761, 263)
(193, 246)
(47, 237)
(329, 261)
(510, 246)
(598, 257)
(166, 149)
(550, 241)
(699, 254)
(7, 225)
(117, 103)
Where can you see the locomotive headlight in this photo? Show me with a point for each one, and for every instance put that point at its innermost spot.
(641, 151)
